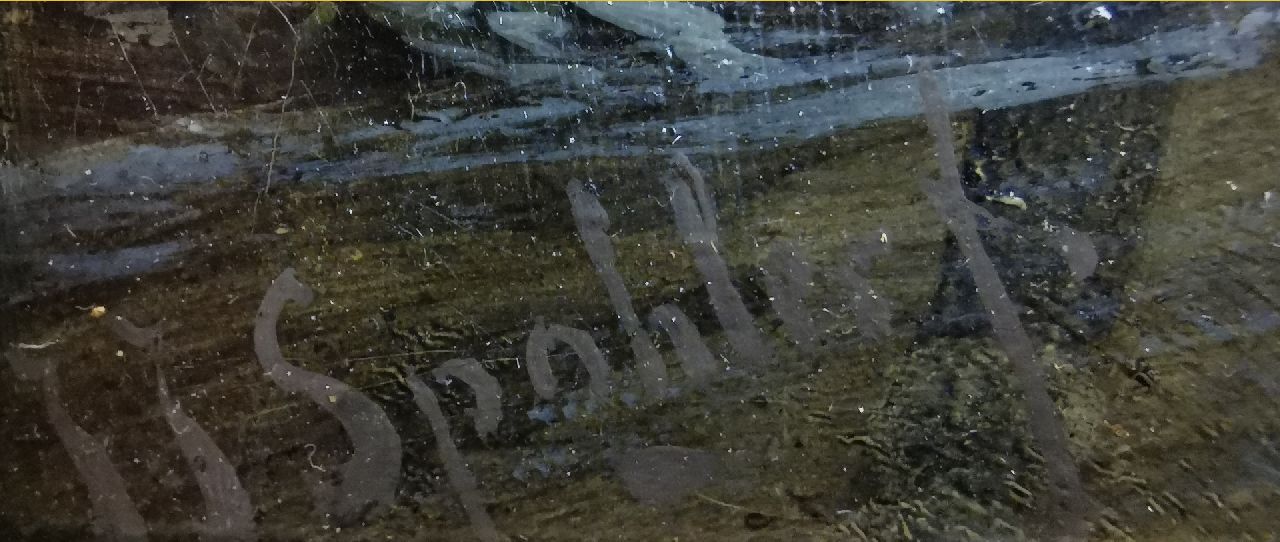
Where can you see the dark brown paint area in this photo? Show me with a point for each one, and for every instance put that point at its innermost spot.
(210, 332)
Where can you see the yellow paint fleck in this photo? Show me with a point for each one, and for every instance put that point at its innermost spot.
(1011, 200)
(1117, 429)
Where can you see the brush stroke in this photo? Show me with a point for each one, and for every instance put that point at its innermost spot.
(696, 223)
(146, 338)
(228, 510)
(488, 411)
(872, 311)
(460, 478)
(115, 516)
(593, 221)
(1069, 502)
(663, 475)
(788, 279)
(543, 338)
(695, 357)
(1078, 251)
(367, 482)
